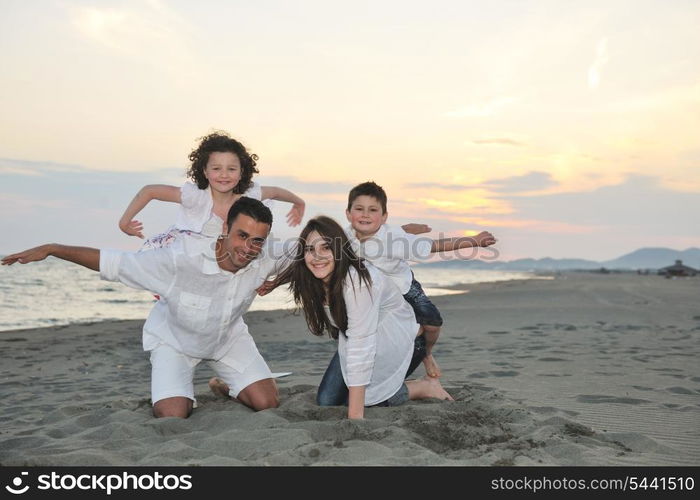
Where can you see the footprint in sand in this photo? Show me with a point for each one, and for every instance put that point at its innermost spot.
(682, 390)
(507, 373)
(599, 398)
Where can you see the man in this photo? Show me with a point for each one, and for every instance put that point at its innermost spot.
(205, 286)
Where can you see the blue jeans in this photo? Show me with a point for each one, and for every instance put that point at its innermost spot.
(334, 392)
(425, 310)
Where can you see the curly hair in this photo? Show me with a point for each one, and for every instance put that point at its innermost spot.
(221, 142)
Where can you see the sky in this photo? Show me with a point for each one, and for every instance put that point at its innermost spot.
(567, 129)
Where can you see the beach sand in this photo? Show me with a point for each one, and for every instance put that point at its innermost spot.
(579, 369)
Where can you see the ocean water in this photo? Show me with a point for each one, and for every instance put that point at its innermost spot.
(54, 292)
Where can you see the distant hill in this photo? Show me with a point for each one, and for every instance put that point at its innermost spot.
(644, 258)
(655, 258)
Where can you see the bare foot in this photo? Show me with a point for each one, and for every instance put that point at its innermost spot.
(219, 387)
(431, 367)
(435, 389)
(427, 387)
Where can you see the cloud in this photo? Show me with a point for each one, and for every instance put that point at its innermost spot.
(640, 202)
(540, 226)
(438, 185)
(63, 182)
(11, 166)
(13, 203)
(502, 141)
(295, 184)
(532, 181)
(146, 32)
(488, 108)
(596, 67)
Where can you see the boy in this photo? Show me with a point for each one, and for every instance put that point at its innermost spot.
(389, 247)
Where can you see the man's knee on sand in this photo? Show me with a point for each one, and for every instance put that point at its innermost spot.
(173, 407)
(260, 395)
(264, 402)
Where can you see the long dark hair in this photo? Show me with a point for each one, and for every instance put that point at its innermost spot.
(309, 292)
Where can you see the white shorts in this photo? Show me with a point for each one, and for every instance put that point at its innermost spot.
(172, 373)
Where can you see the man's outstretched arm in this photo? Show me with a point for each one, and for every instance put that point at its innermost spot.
(87, 257)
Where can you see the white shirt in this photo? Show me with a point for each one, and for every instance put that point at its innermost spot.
(389, 249)
(377, 347)
(196, 209)
(201, 305)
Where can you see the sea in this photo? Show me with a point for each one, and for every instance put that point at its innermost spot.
(54, 293)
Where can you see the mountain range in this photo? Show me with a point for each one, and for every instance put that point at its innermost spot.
(644, 259)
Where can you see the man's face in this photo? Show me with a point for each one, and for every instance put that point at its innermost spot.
(244, 242)
(365, 215)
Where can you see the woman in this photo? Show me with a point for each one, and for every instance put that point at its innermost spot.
(379, 342)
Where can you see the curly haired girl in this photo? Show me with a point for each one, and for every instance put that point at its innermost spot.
(222, 171)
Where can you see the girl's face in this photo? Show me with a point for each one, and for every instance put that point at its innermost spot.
(223, 171)
(319, 257)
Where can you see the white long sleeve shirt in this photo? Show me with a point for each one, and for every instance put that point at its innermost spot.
(201, 306)
(377, 347)
(389, 249)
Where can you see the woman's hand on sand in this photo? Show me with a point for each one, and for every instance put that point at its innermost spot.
(32, 255)
(296, 214)
(432, 369)
(132, 228)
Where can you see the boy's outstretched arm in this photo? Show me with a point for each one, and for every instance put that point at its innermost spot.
(483, 239)
(86, 257)
(415, 228)
(161, 192)
(296, 214)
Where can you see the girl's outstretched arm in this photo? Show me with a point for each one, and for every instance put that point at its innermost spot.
(296, 214)
(147, 193)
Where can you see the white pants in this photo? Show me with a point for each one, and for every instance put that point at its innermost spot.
(172, 374)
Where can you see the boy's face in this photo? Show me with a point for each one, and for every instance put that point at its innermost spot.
(365, 215)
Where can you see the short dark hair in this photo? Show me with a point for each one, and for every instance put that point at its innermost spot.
(221, 142)
(369, 188)
(250, 207)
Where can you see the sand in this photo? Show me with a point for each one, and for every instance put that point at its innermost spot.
(579, 369)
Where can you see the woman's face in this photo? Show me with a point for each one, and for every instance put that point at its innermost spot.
(319, 257)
